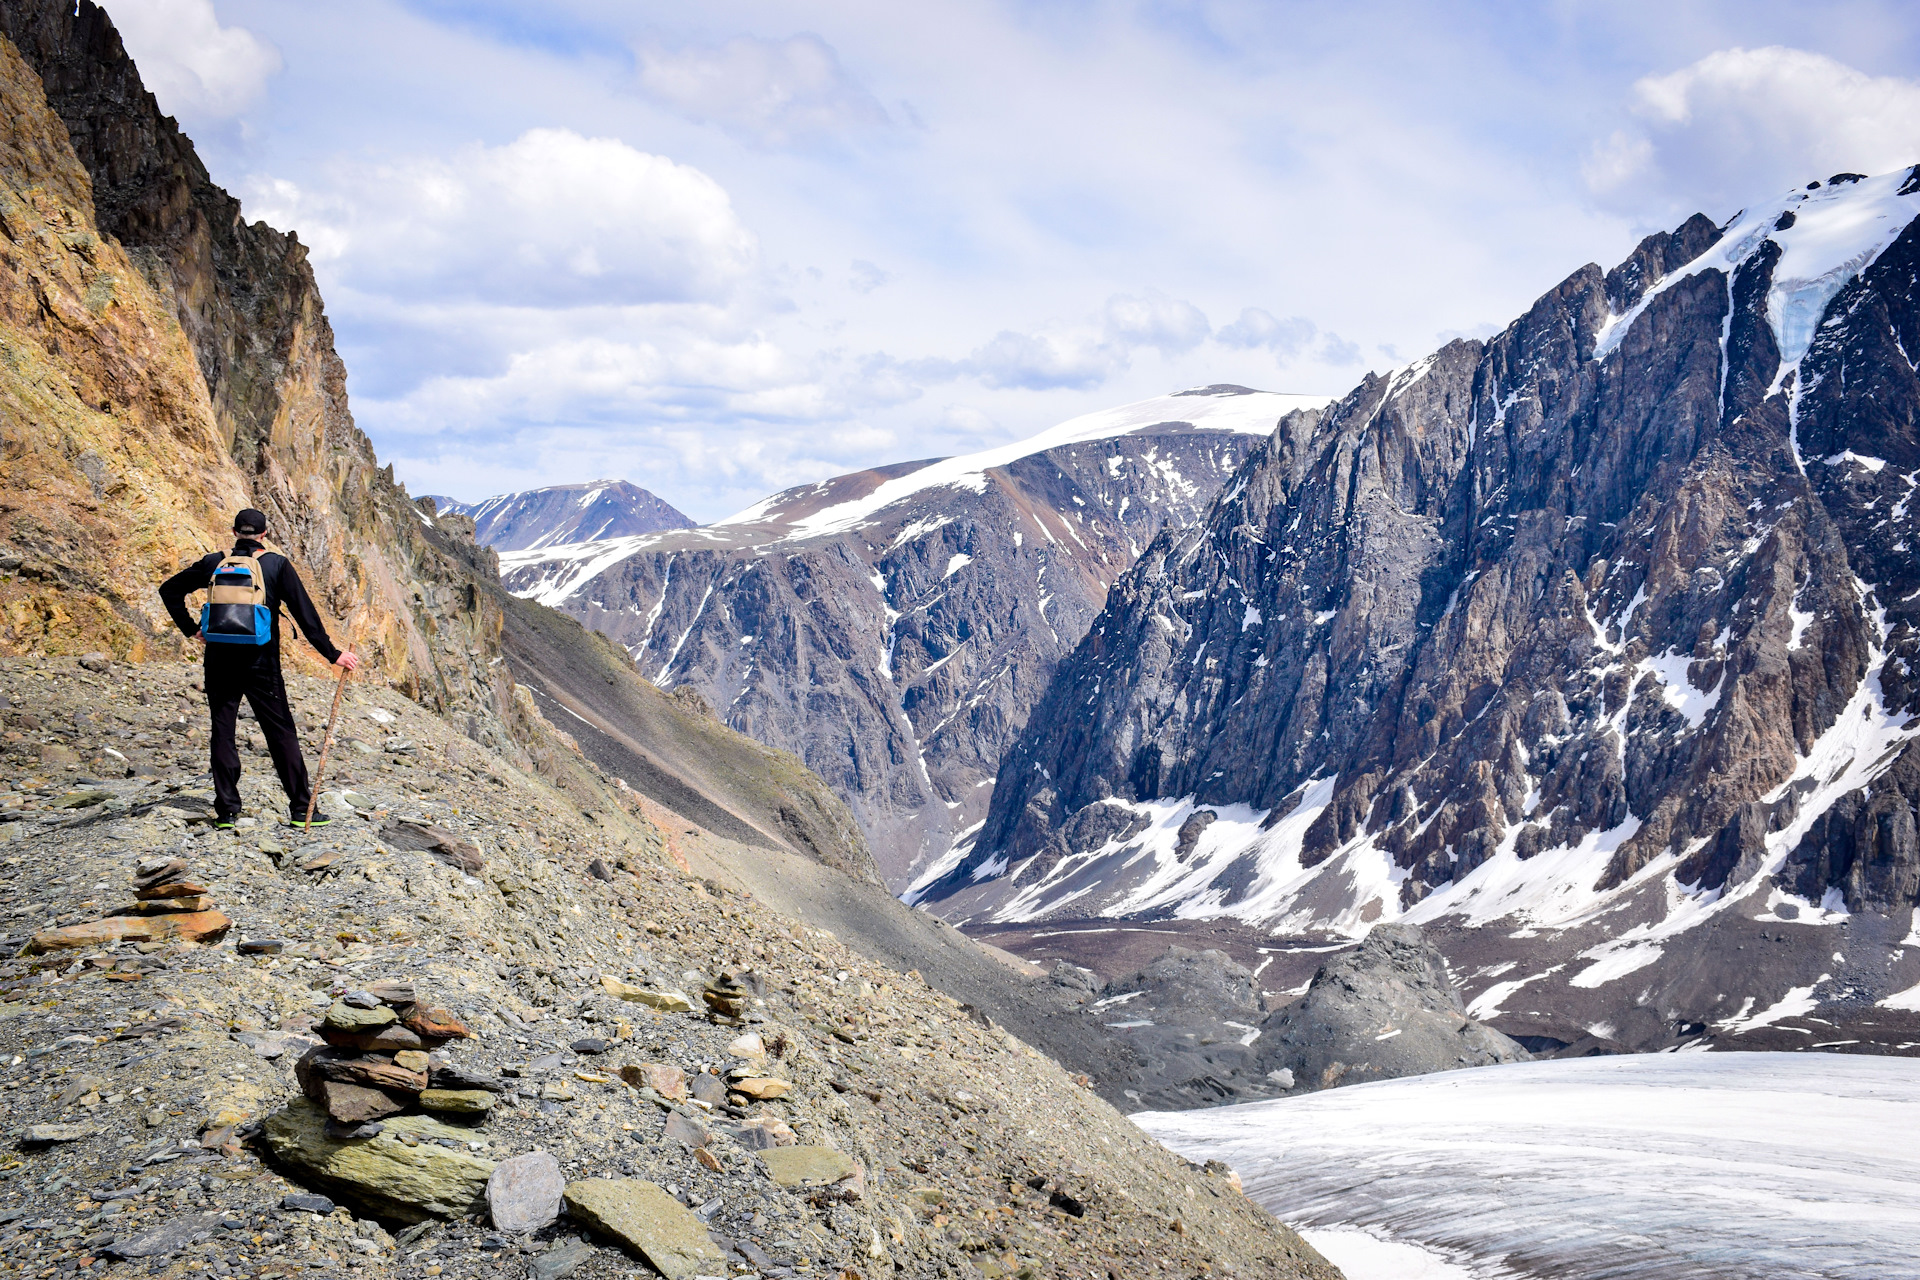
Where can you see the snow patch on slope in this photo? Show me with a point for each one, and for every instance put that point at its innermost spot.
(1256, 413)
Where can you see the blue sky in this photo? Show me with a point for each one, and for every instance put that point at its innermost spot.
(721, 249)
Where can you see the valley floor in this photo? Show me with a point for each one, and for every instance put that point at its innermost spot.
(1656, 1167)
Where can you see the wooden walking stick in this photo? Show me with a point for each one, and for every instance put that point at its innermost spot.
(326, 743)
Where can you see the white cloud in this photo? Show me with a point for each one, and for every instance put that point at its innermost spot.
(773, 93)
(1289, 340)
(549, 219)
(1742, 124)
(197, 69)
(1157, 321)
(1257, 328)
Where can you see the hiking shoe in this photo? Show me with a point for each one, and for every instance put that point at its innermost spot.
(224, 821)
(300, 820)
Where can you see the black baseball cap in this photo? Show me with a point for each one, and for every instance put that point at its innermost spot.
(250, 522)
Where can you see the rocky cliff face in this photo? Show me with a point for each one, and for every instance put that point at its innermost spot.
(1593, 644)
(184, 367)
(565, 513)
(892, 628)
(164, 363)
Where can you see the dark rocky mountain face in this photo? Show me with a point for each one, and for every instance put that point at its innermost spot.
(1592, 646)
(565, 513)
(893, 627)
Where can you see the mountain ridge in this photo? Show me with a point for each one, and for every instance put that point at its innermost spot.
(892, 626)
(1617, 601)
(561, 514)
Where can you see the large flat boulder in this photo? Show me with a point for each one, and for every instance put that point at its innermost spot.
(647, 1220)
(382, 1173)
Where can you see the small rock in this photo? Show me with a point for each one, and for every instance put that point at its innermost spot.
(590, 1044)
(46, 1135)
(397, 994)
(458, 1101)
(165, 1238)
(415, 1060)
(664, 1001)
(684, 1131)
(387, 1040)
(99, 663)
(435, 1024)
(353, 1103)
(262, 947)
(806, 1166)
(663, 1078)
(709, 1089)
(306, 1202)
(763, 1088)
(599, 871)
(651, 1222)
(556, 1091)
(524, 1193)
(561, 1261)
(358, 1020)
(759, 1133)
(747, 1046)
(360, 1000)
(458, 1078)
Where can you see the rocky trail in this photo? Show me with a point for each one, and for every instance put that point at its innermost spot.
(717, 1089)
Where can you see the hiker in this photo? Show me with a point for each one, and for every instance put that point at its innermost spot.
(239, 627)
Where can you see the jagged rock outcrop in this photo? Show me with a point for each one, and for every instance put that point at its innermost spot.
(892, 627)
(1605, 625)
(185, 367)
(560, 514)
(164, 363)
(1385, 1009)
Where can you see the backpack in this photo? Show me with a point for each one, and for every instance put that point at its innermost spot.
(236, 609)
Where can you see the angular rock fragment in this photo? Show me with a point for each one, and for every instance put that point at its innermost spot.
(471, 1102)
(46, 1135)
(664, 1001)
(166, 1238)
(434, 1024)
(647, 1220)
(359, 1021)
(199, 927)
(801, 1166)
(356, 1103)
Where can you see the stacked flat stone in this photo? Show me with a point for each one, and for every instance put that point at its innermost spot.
(164, 884)
(379, 1060)
(727, 997)
(170, 906)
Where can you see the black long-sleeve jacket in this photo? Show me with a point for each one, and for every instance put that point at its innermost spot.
(283, 588)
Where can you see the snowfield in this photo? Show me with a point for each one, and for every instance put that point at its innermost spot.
(1737, 1165)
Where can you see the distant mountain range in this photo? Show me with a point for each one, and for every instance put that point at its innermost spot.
(565, 513)
(1594, 647)
(893, 627)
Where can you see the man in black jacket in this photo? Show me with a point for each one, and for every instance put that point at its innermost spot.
(253, 671)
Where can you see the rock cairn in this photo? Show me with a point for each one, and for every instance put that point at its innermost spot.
(380, 1059)
(170, 905)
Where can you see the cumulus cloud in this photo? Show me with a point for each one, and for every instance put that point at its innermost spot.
(1291, 339)
(1740, 125)
(772, 93)
(199, 70)
(1157, 321)
(1080, 355)
(549, 219)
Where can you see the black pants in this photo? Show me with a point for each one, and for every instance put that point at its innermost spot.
(255, 676)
